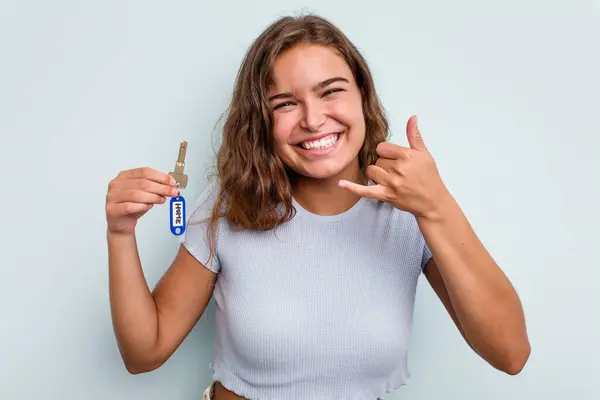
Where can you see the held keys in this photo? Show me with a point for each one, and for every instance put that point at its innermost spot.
(178, 174)
(177, 204)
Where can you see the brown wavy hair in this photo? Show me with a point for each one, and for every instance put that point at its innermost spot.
(255, 187)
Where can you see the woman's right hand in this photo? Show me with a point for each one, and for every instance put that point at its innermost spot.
(132, 193)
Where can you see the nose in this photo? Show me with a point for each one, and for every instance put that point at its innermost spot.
(313, 118)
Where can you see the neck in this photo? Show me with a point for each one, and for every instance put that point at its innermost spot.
(324, 196)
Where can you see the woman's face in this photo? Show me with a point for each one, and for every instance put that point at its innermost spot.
(319, 127)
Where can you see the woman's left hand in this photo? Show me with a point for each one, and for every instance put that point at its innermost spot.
(405, 177)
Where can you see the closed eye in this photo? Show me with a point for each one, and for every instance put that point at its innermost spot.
(326, 93)
(332, 91)
(280, 105)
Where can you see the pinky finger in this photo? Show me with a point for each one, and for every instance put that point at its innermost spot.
(377, 191)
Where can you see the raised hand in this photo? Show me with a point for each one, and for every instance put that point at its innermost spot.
(405, 177)
(132, 193)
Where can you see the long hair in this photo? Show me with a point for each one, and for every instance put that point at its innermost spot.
(255, 187)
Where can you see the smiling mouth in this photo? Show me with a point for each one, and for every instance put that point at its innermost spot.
(322, 143)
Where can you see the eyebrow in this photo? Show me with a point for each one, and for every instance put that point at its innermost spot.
(317, 87)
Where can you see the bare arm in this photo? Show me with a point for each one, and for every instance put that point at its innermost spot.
(474, 290)
(479, 297)
(149, 327)
(432, 273)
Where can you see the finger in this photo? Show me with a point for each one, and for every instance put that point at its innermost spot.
(148, 173)
(392, 151)
(145, 185)
(378, 192)
(153, 187)
(378, 175)
(121, 209)
(134, 196)
(414, 135)
(386, 164)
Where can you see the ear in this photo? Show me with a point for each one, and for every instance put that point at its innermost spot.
(413, 134)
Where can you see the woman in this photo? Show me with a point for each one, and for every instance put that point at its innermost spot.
(317, 230)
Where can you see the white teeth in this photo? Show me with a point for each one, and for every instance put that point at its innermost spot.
(321, 144)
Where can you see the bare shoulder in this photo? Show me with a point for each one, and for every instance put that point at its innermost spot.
(181, 297)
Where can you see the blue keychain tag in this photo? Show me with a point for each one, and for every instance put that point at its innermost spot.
(177, 215)
(177, 205)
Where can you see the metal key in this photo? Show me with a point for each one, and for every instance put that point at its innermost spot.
(178, 175)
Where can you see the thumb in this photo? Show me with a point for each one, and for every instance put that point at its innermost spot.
(415, 140)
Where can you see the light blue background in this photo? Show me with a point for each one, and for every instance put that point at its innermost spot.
(507, 95)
